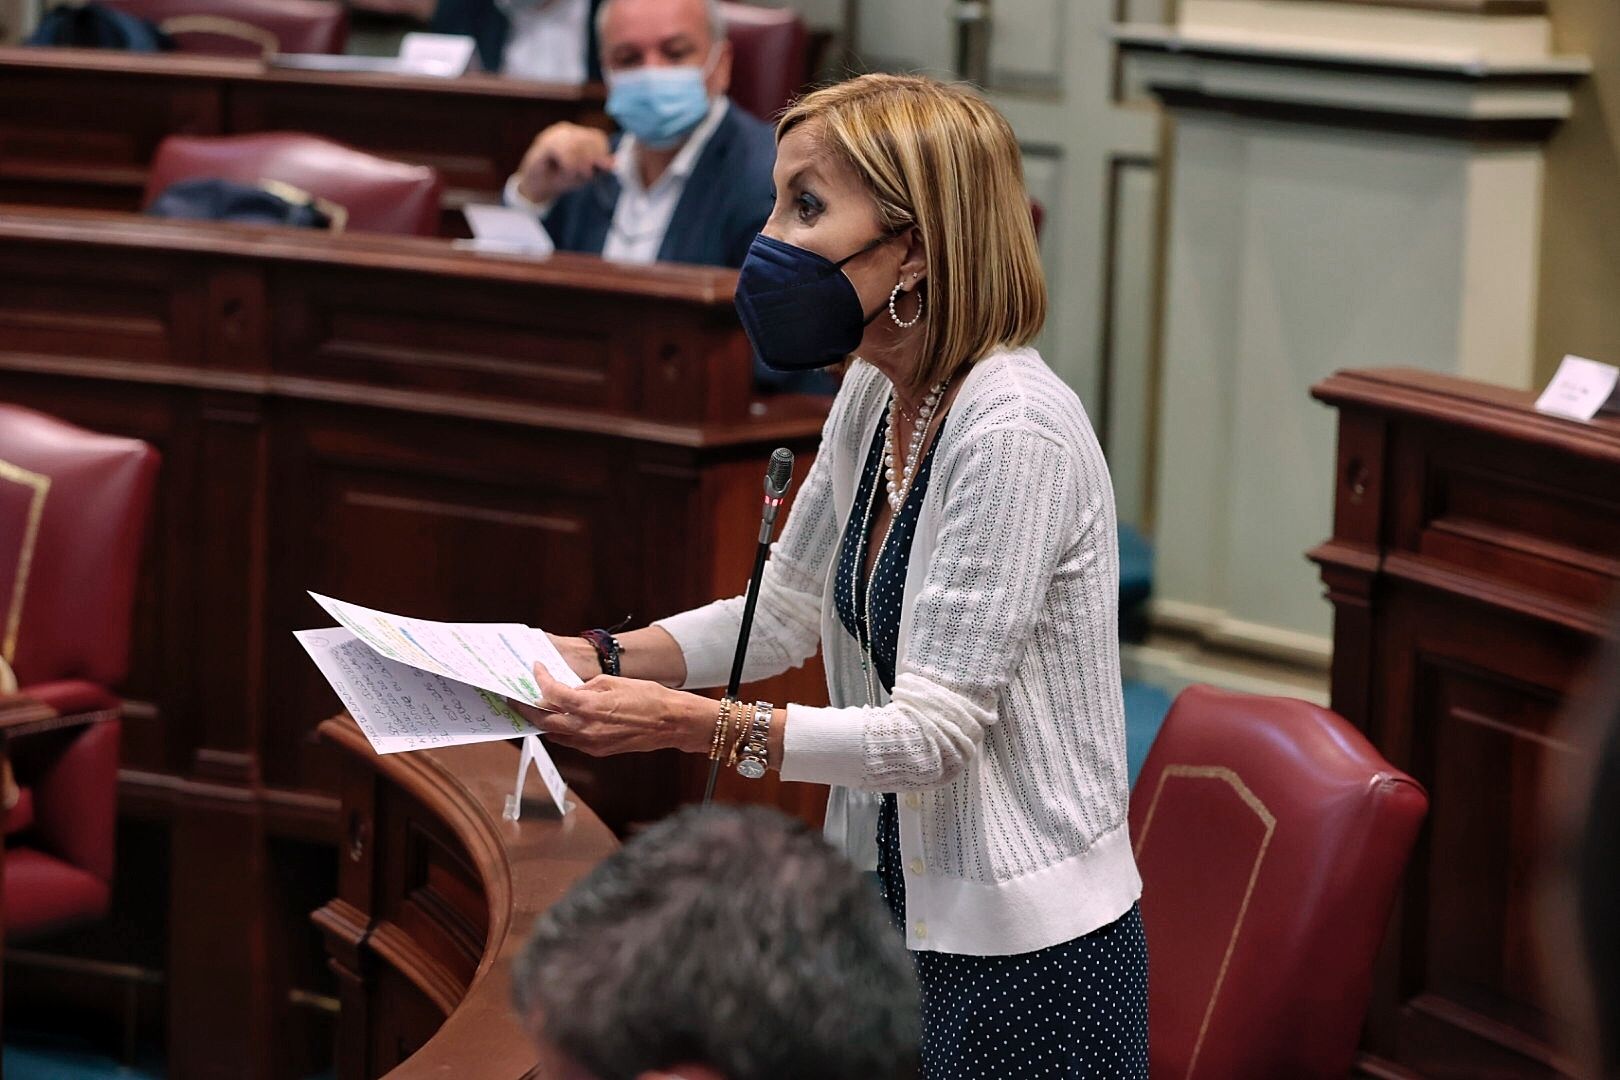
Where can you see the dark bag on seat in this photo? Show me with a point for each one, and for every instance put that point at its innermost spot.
(266, 203)
(93, 26)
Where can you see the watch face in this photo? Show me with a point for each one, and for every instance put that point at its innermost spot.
(752, 768)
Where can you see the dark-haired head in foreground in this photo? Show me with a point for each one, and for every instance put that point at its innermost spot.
(720, 944)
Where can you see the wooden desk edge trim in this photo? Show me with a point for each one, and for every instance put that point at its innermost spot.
(1460, 402)
(68, 61)
(428, 778)
(704, 285)
(802, 424)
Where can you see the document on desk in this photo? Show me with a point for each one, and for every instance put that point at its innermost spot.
(413, 683)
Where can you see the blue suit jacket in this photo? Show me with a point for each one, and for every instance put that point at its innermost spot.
(487, 25)
(725, 203)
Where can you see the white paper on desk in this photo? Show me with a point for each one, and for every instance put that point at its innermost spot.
(507, 228)
(1579, 388)
(445, 55)
(400, 707)
(497, 657)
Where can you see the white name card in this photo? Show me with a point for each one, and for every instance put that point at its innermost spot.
(1580, 389)
(556, 786)
(446, 55)
(507, 229)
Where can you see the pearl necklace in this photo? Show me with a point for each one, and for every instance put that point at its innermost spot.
(919, 433)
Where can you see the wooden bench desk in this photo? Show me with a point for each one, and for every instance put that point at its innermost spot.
(436, 895)
(79, 127)
(396, 422)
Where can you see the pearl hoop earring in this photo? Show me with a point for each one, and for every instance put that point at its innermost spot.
(895, 315)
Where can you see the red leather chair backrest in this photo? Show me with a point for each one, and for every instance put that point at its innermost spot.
(380, 195)
(73, 510)
(247, 27)
(770, 60)
(1271, 838)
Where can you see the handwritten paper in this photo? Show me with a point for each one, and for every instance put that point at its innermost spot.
(497, 657)
(400, 707)
(1579, 388)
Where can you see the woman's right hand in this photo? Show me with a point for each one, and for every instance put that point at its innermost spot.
(580, 655)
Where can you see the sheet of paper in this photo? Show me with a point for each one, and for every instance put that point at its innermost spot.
(497, 657)
(1579, 388)
(509, 229)
(446, 55)
(400, 707)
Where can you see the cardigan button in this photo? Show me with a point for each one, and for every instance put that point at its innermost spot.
(913, 800)
(921, 930)
(917, 866)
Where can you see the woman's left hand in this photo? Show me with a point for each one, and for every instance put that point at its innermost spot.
(612, 715)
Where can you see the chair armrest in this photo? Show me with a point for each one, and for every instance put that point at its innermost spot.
(20, 715)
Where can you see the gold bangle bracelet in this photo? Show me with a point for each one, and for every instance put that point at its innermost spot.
(720, 722)
(736, 729)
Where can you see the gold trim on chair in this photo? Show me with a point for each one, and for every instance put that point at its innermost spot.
(40, 484)
(1252, 801)
(223, 27)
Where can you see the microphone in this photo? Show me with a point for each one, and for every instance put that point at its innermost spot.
(778, 475)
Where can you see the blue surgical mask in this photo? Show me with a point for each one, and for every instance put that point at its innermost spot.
(659, 105)
(799, 309)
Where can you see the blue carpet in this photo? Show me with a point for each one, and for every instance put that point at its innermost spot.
(1145, 707)
(39, 1061)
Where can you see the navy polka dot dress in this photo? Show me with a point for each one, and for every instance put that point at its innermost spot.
(1070, 1011)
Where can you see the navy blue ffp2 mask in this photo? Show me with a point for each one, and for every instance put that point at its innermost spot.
(798, 308)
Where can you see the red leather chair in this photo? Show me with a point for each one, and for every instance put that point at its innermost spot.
(247, 27)
(379, 195)
(1271, 839)
(770, 58)
(73, 510)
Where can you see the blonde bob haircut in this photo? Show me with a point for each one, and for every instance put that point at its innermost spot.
(938, 157)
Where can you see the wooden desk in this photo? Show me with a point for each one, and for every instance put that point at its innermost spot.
(394, 422)
(78, 127)
(1473, 569)
(436, 895)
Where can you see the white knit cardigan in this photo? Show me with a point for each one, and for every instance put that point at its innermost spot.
(1005, 737)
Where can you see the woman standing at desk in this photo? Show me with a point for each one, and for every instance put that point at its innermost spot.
(953, 553)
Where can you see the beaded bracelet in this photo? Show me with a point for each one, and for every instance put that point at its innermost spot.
(720, 722)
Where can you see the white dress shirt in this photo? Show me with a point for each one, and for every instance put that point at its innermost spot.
(547, 40)
(642, 215)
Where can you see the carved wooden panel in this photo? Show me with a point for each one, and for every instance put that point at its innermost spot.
(1475, 559)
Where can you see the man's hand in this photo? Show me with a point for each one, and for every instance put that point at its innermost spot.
(561, 158)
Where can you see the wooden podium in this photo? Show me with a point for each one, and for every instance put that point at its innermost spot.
(436, 894)
(1473, 571)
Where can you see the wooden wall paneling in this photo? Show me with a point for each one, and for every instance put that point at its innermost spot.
(84, 136)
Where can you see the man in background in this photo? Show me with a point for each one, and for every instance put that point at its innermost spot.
(728, 943)
(689, 180)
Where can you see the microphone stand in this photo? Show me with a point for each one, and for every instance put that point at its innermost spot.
(777, 477)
